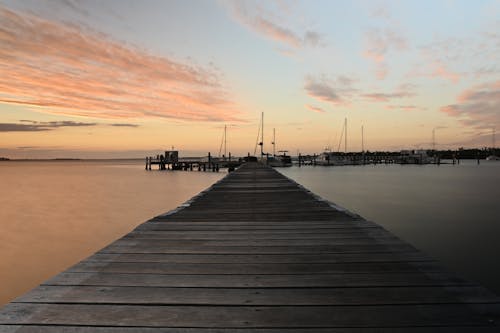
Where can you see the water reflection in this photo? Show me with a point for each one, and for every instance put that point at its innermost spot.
(450, 212)
(53, 214)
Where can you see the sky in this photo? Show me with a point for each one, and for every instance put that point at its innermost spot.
(119, 78)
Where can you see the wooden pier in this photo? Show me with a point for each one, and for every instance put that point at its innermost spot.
(171, 161)
(255, 253)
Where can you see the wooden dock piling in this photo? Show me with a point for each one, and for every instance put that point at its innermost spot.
(255, 253)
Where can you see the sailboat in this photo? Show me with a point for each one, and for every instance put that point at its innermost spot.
(282, 160)
(493, 157)
(329, 157)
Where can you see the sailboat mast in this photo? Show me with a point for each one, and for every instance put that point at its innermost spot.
(362, 139)
(345, 138)
(225, 140)
(274, 141)
(262, 136)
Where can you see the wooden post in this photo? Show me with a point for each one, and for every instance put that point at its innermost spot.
(209, 160)
(300, 160)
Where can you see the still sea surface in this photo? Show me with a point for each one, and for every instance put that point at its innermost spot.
(54, 214)
(451, 212)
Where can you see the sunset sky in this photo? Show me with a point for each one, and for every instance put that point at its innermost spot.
(130, 78)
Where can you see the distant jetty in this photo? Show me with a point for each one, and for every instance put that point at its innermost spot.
(170, 160)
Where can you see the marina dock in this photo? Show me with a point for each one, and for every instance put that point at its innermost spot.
(256, 252)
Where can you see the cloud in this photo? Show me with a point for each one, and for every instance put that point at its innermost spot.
(477, 107)
(404, 107)
(124, 125)
(453, 59)
(438, 69)
(403, 91)
(35, 126)
(312, 38)
(378, 42)
(381, 12)
(262, 21)
(329, 90)
(323, 91)
(315, 108)
(273, 31)
(63, 69)
(485, 71)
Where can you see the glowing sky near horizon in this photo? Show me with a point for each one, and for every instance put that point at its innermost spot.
(125, 78)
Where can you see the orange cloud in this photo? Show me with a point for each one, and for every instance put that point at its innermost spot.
(62, 69)
(403, 91)
(315, 108)
(438, 69)
(276, 32)
(377, 44)
(478, 106)
(403, 107)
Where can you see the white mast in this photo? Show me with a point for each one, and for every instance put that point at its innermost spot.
(262, 136)
(362, 140)
(274, 142)
(345, 138)
(225, 140)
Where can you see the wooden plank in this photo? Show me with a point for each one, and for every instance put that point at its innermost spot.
(257, 281)
(255, 258)
(96, 329)
(260, 268)
(224, 236)
(258, 242)
(353, 224)
(308, 249)
(267, 228)
(248, 316)
(254, 296)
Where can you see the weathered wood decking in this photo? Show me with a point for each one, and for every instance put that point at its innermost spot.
(255, 253)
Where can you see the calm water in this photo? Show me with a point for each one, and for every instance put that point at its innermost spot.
(451, 212)
(53, 214)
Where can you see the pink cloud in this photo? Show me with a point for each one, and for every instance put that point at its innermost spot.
(62, 69)
(403, 91)
(403, 107)
(378, 43)
(315, 108)
(273, 31)
(478, 106)
(263, 21)
(438, 69)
